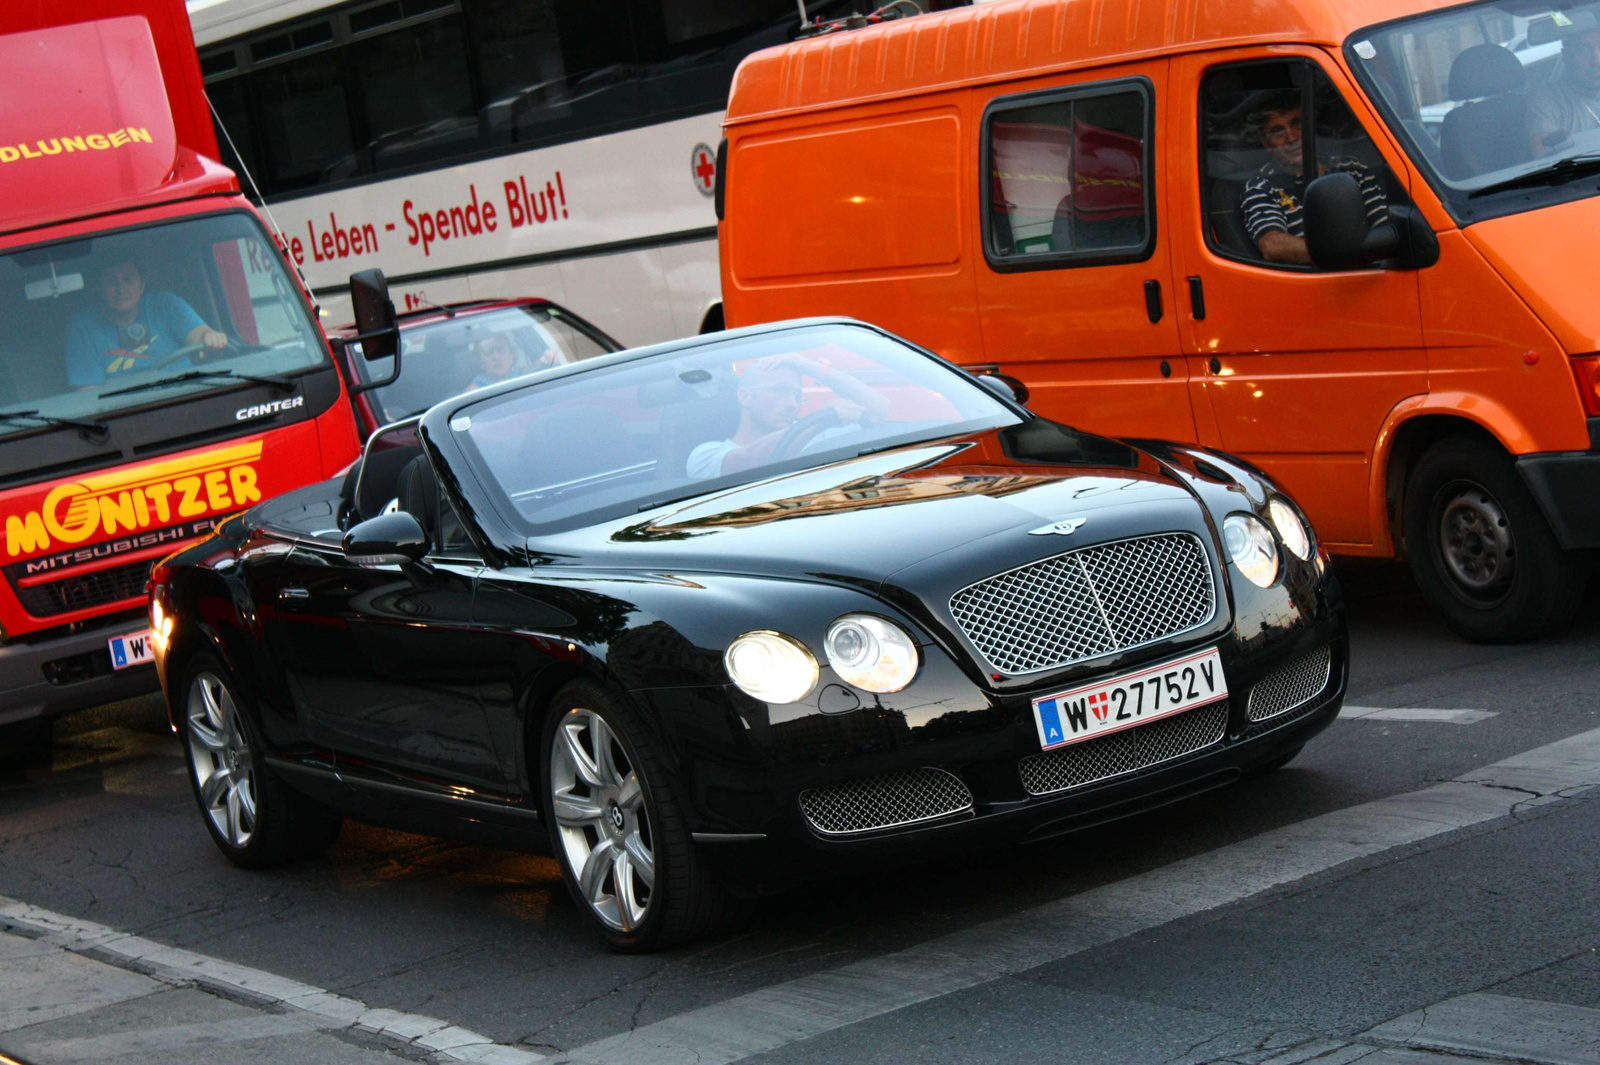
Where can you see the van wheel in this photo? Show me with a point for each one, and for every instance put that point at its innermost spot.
(1481, 551)
(617, 827)
(253, 818)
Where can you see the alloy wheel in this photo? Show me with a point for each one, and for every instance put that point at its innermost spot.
(224, 771)
(1475, 543)
(598, 804)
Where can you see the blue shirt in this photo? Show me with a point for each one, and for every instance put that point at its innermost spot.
(98, 349)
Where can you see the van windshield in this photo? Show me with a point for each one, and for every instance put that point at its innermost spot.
(1499, 102)
(146, 316)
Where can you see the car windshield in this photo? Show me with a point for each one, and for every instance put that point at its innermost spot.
(625, 437)
(474, 349)
(132, 318)
(1492, 98)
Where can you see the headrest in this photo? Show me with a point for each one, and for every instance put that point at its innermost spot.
(1485, 70)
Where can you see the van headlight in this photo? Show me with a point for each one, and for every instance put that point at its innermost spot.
(772, 667)
(1291, 530)
(1251, 548)
(871, 653)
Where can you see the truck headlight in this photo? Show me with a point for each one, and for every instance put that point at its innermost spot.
(771, 667)
(871, 653)
(1251, 547)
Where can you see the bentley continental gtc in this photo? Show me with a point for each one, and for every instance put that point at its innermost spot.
(703, 617)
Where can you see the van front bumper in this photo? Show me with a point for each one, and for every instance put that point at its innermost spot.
(57, 676)
(1566, 485)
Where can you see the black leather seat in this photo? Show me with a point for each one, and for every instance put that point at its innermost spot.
(417, 490)
(1491, 132)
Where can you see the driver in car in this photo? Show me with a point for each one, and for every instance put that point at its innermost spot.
(132, 329)
(770, 394)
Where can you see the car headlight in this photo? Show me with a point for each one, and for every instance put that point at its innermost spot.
(1291, 530)
(160, 625)
(771, 667)
(871, 653)
(1251, 547)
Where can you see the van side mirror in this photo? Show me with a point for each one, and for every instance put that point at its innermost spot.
(1338, 237)
(1003, 385)
(377, 331)
(386, 540)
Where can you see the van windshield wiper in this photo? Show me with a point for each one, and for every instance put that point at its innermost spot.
(93, 428)
(281, 383)
(1557, 173)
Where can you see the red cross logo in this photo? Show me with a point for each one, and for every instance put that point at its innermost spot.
(703, 166)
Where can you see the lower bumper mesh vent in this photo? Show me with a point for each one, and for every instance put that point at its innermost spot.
(1292, 686)
(1124, 752)
(890, 801)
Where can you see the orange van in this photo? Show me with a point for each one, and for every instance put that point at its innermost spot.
(1106, 200)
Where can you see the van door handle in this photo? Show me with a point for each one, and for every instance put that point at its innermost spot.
(1152, 300)
(1197, 299)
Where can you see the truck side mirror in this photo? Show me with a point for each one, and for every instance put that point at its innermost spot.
(1338, 237)
(376, 329)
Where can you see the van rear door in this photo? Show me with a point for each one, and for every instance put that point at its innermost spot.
(1298, 368)
(1075, 290)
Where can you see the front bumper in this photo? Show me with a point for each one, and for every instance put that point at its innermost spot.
(1566, 485)
(55, 676)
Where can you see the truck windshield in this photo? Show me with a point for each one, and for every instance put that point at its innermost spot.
(1499, 102)
(145, 316)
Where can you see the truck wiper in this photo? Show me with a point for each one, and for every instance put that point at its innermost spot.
(1557, 173)
(280, 383)
(92, 428)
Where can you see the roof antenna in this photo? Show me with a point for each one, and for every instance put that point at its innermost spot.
(282, 237)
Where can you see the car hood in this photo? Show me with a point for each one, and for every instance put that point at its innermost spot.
(968, 506)
(1535, 252)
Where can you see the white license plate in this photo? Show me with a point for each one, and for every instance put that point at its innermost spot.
(1129, 700)
(131, 650)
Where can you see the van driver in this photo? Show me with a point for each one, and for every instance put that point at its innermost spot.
(1274, 215)
(1570, 104)
(770, 394)
(132, 329)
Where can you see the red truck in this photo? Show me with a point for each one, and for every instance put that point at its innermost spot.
(161, 365)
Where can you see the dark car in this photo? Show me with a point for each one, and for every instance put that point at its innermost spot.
(714, 614)
(460, 347)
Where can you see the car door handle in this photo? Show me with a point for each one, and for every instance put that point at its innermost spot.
(292, 592)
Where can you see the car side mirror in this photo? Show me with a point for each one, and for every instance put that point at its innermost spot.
(386, 540)
(377, 329)
(1005, 386)
(1338, 237)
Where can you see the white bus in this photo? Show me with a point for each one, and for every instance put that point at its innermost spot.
(492, 148)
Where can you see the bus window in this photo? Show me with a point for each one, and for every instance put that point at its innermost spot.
(688, 48)
(305, 121)
(415, 89)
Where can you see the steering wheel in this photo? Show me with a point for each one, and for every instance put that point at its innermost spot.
(186, 350)
(803, 431)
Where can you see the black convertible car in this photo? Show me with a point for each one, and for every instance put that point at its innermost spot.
(704, 616)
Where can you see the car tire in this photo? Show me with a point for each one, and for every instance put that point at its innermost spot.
(27, 745)
(253, 818)
(615, 819)
(1481, 550)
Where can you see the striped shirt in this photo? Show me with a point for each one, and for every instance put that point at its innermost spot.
(1271, 199)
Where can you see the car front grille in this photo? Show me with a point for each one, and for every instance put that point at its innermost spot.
(1086, 603)
(890, 801)
(1127, 751)
(1292, 686)
(84, 591)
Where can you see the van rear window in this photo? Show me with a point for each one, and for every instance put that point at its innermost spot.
(1068, 176)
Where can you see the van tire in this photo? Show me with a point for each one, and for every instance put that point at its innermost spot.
(1481, 550)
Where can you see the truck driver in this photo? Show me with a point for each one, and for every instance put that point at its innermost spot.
(132, 329)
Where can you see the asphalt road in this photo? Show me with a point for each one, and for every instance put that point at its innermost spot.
(1314, 914)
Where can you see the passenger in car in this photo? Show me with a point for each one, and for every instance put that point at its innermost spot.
(770, 393)
(498, 361)
(1571, 104)
(1274, 215)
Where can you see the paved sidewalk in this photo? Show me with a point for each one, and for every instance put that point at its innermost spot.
(57, 1006)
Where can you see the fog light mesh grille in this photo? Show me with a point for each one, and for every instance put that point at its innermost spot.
(1124, 752)
(1292, 686)
(890, 801)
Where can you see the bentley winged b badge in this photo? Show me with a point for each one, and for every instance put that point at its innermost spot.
(1065, 527)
